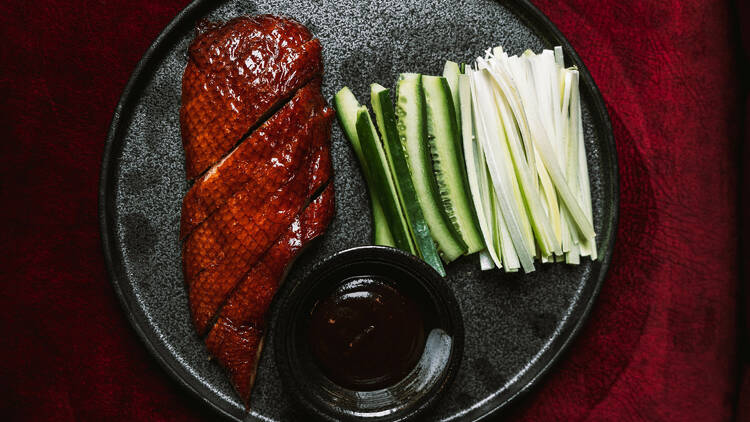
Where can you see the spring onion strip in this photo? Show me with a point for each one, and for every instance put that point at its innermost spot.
(519, 70)
(562, 86)
(476, 168)
(539, 219)
(485, 261)
(588, 245)
(526, 159)
(503, 239)
(499, 164)
(570, 84)
(508, 128)
(551, 162)
(521, 73)
(568, 234)
(545, 80)
(552, 205)
(559, 56)
(518, 75)
(514, 101)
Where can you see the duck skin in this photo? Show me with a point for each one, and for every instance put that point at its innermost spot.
(274, 146)
(230, 242)
(236, 75)
(256, 134)
(238, 224)
(236, 339)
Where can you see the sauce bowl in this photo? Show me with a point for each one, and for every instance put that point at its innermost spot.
(414, 393)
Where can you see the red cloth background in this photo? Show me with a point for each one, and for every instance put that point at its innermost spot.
(743, 407)
(661, 343)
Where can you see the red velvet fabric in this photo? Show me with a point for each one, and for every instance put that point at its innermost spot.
(743, 401)
(661, 343)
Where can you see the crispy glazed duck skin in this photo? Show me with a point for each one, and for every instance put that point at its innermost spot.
(256, 129)
(240, 221)
(236, 75)
(260, 228)
(274, 146)
(236, 338)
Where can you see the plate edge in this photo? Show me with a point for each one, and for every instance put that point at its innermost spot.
(535, 18)
(526, 11)
(107, 212)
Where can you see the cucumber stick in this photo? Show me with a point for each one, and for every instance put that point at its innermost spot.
(447, 158)
(412, 132)
(383, 185)
(346, 110)
(450, 73)
(386, 118)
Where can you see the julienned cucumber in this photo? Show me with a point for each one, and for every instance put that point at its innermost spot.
(346, 110)
(386, 119)
(450, 73)
(412, 132)
(382, 181)
(447, 158)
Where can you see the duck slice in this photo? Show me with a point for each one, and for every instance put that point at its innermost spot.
(236, 339)
(229, 242)
(272, 149)
(256, 133)
(236, 75)
(241, 221)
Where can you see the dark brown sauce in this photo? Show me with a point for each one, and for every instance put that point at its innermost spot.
(366, 334)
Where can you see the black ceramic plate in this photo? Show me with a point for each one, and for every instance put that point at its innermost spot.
(516, 325)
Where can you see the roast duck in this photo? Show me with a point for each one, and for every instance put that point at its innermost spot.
(256, 134)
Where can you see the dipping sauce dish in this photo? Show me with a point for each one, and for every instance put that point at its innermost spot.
(367, 334)
(372, 333)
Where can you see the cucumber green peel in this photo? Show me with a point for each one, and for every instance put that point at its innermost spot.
(412, 133)
(386, 119)
(448, 160)
(346, 110)
(450, 73)
(383, 185)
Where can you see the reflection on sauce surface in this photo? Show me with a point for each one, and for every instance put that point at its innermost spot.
(366, 334)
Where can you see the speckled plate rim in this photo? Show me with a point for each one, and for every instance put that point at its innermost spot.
(526, 12)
